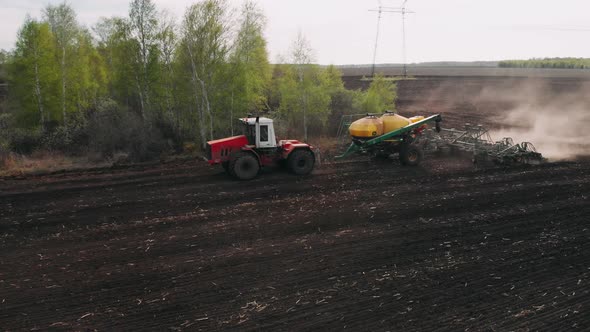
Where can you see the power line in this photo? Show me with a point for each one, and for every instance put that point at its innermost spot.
(384, 9)
(377, 38)
(404, 38)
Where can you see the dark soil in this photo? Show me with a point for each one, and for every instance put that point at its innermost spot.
(358, 245)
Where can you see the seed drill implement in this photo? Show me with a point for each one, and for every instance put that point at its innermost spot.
(390, 133)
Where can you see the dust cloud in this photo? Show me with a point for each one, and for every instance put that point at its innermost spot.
(556, 122)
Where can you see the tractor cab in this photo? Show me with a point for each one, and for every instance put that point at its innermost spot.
(260, 132)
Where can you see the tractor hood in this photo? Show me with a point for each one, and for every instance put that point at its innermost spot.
(219, 150)
(230, 140)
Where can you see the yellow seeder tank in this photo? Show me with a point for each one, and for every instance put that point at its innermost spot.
(368, 127)
(392, 121)
(415, 119)
(372, 126)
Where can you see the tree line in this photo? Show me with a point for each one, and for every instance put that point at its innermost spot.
(147, 82)
(558, 63)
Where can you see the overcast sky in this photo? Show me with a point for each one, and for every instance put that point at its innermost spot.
(343, 31)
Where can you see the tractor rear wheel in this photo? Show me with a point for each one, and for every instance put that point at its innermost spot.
(244, 166)
(301, 162)
(410, 155)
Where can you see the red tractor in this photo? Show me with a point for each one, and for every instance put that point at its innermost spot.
(243, 156)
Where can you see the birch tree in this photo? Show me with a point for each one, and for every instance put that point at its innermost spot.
(167, 42)
(144, 28)
(250, 67)
(88, 72)
(305, 90)
(119, 50)
(34, 74)
(302, 57)
(205, 33)
(105, 31)
(62, 20)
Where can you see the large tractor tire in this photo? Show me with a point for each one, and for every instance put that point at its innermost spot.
(410, 155)
(244, 166)
(301, 162)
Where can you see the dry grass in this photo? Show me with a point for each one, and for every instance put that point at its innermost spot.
(190, 147)
(324, 143)
(12, 164)
(328, 147)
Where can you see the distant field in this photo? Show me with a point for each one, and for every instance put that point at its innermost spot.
(468, 71)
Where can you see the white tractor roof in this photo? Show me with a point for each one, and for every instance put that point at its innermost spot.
(252, 121)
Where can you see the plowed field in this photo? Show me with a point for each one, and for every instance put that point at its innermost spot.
(358, 245)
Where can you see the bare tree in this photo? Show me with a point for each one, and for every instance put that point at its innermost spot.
(144, 29)
(167, 40)
(302, 57)
(104, 31)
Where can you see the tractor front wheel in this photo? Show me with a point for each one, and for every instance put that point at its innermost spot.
(410, 155)
(301, 162)
(244, 166)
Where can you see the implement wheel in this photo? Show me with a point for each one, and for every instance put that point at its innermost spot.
(301, 162)
(244, 166)
(411, 155)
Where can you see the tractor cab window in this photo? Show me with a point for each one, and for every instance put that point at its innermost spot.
(250, 132)
(264, 133)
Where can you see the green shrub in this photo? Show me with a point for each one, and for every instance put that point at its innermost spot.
(5, 121)
(112, 129)
(343, 102)
(380, 96)
(25, 141)
(145, 143)
(104, 130)
(175, 137)
(66, 140)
